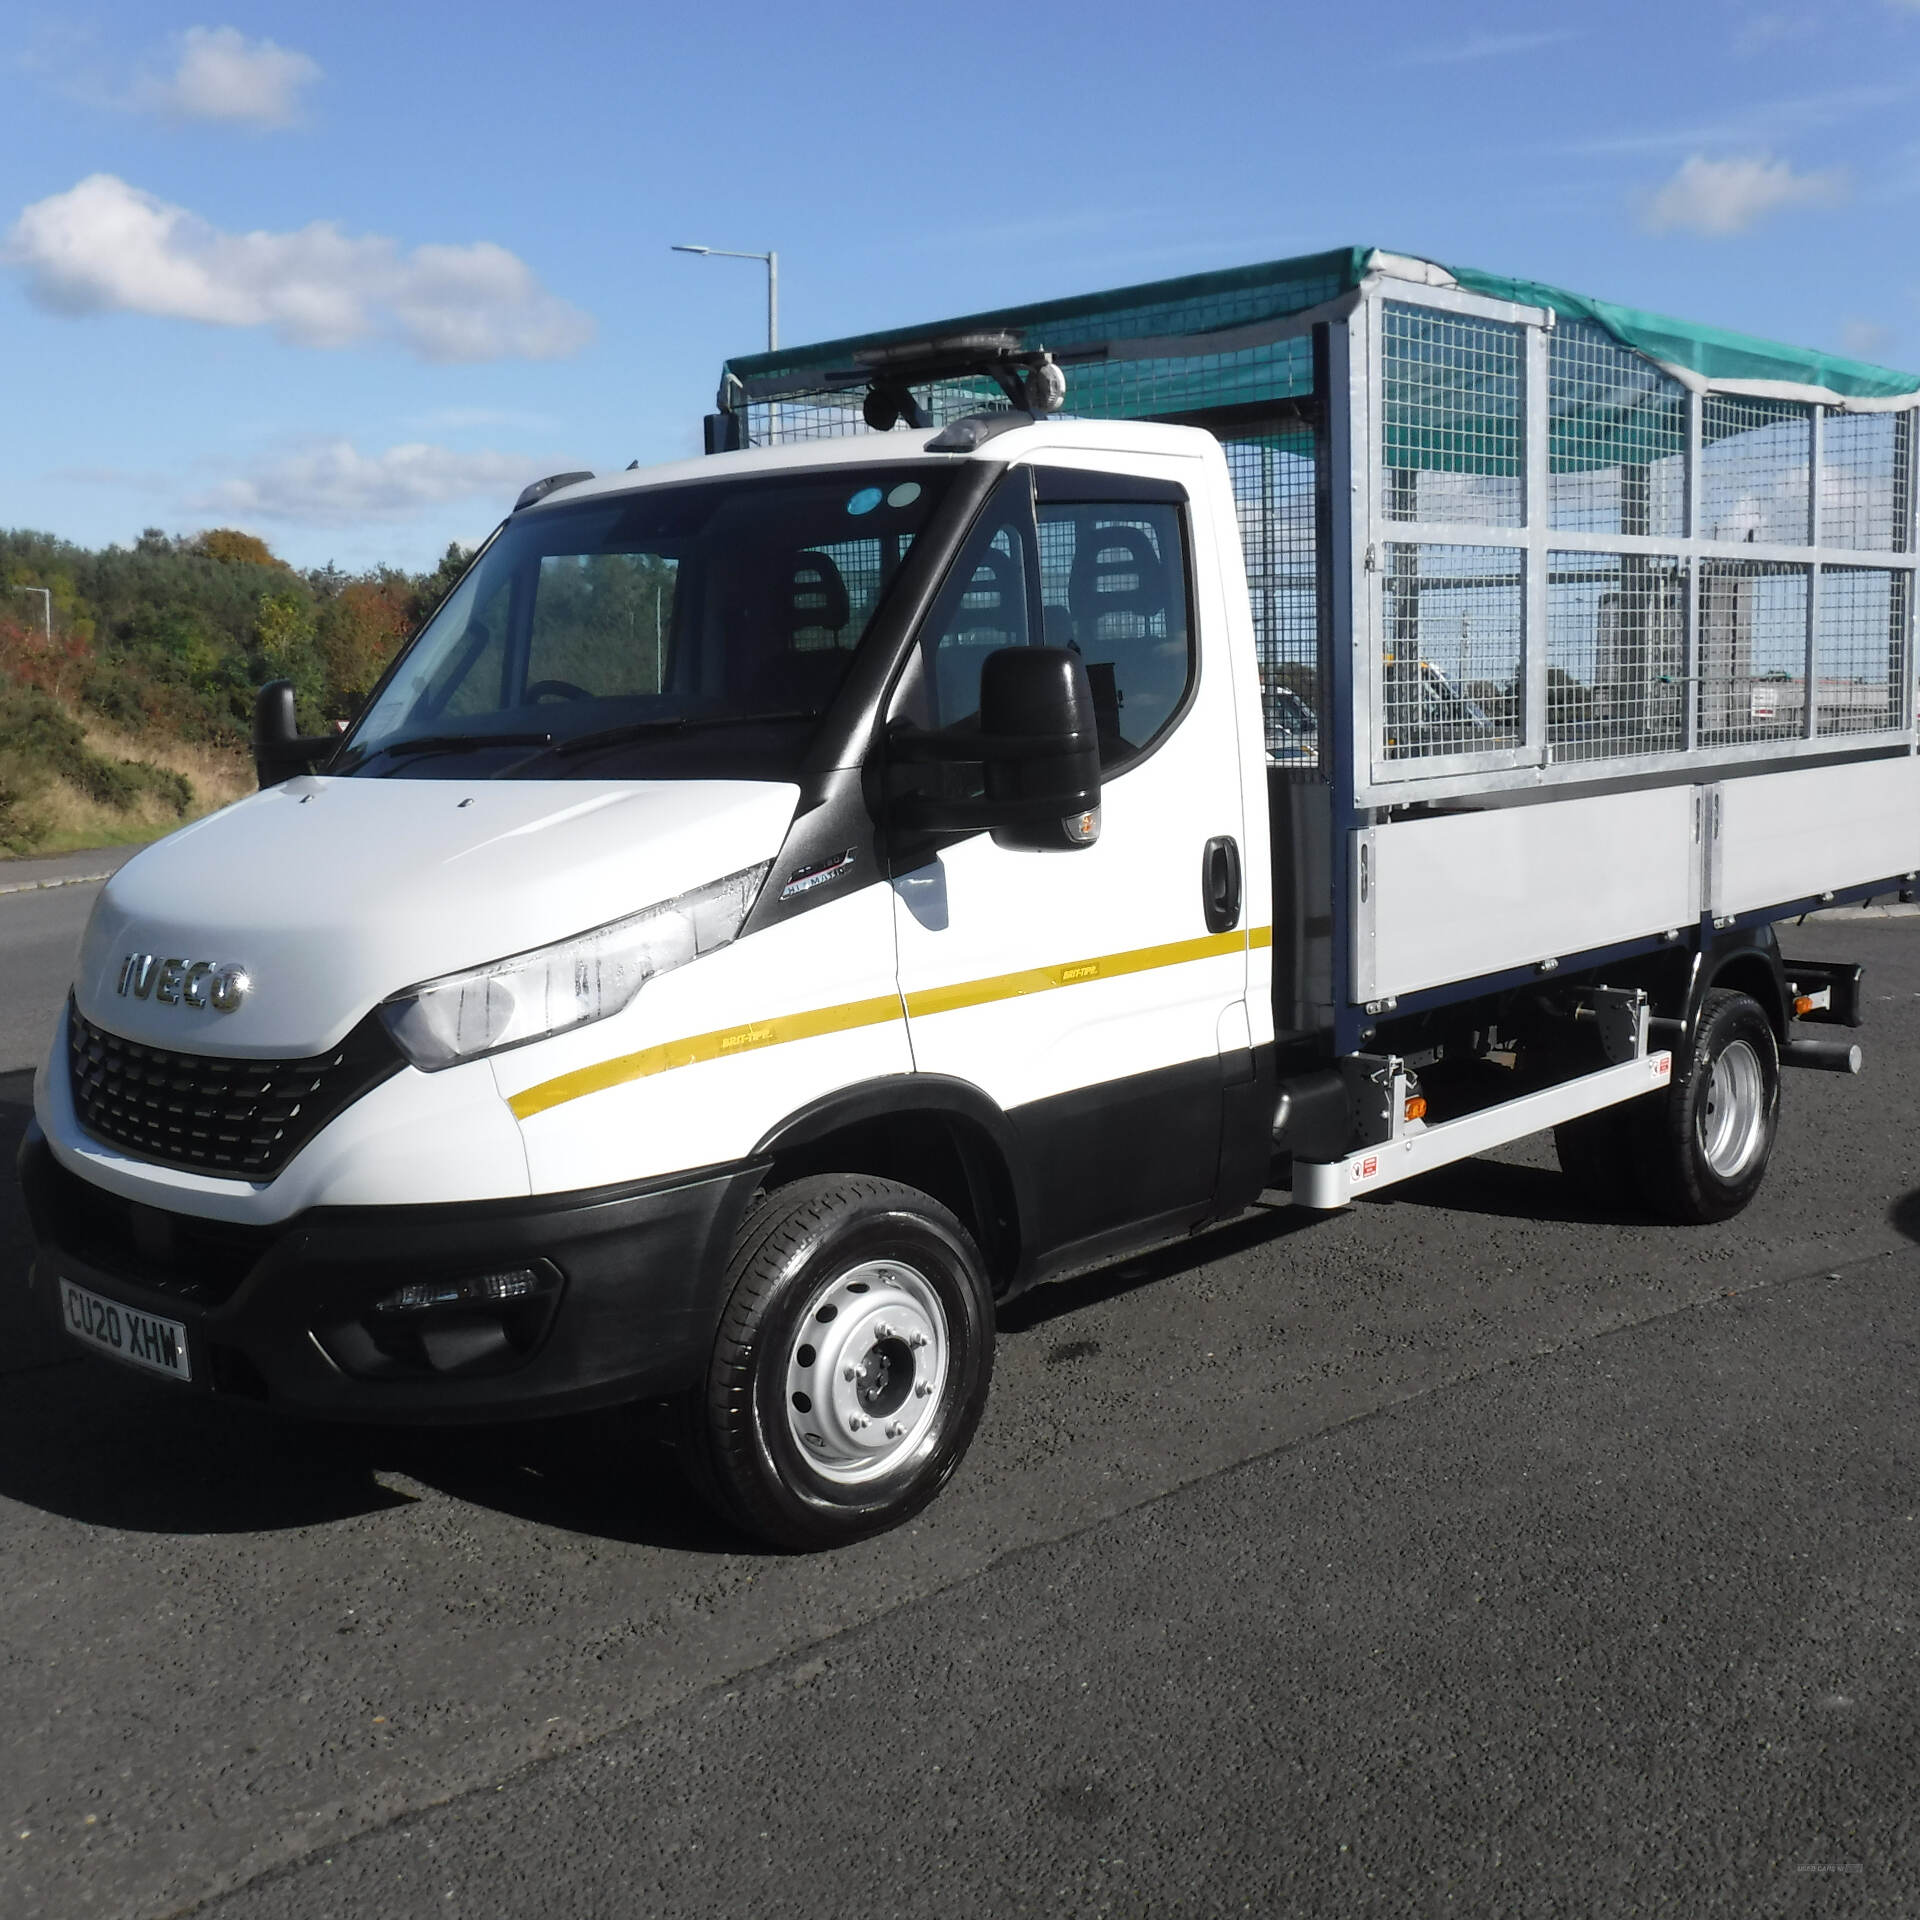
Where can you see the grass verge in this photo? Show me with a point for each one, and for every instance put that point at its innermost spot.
(67, 785)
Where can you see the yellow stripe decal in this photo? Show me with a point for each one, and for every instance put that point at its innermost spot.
(1110, 966)
(702, 1046)
(868, 1013)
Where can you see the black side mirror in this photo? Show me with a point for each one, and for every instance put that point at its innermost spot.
(1038, 748)
(279, 750)
(1043, 747)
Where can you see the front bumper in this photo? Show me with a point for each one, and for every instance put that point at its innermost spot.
(284, 1313)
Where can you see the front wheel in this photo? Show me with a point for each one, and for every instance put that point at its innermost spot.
(852, 1362)
(1703, 1150)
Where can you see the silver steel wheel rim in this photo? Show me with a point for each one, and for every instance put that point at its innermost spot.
(1733, 1114)
(866, 1368)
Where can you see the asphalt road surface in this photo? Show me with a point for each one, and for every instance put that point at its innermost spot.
(1466, 1553)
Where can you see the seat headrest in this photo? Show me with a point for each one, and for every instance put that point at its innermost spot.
(1116, 570)
(816, 595)
(994, 595)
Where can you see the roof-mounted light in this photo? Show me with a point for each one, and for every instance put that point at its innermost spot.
(541, 488)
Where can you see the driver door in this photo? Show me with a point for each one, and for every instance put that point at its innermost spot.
(1088, 992)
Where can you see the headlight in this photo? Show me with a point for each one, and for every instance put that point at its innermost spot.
(529, 996)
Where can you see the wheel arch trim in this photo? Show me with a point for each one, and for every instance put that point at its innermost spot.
(976, 1124)
(1744, 962)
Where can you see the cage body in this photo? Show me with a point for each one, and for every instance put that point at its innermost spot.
(1551, 598)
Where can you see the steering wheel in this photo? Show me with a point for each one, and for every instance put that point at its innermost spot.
(554, 689)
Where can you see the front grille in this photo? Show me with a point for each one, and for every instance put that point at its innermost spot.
(244, 1117)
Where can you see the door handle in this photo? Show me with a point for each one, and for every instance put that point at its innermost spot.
(1220, 883)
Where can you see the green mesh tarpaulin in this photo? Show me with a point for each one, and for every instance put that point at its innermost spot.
(1197, 372)
(1711, 352)
(1197, 303)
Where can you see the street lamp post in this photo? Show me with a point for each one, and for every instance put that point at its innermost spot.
(772, 263)
(46, 609)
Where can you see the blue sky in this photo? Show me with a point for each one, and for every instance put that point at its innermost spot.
(347, 277)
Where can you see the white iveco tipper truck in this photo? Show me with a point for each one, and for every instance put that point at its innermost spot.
(1043, 782)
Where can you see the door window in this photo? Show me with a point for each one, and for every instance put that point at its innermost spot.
(1113, 581)
(983, 607)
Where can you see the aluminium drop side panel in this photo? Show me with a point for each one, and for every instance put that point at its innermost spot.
(1453, 897)
(1811, 830)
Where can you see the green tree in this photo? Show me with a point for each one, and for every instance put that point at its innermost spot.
(286, 647)
(432, 588)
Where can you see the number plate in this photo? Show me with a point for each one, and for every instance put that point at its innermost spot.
(141, 1339)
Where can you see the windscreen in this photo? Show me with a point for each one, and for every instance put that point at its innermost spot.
(696, 631)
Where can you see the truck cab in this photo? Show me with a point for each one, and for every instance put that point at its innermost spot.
(706, 882)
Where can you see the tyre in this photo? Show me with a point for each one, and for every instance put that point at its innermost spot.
(1702, 1151)
(852, 1362)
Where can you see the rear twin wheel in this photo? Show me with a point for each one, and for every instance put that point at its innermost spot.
(852, 1362)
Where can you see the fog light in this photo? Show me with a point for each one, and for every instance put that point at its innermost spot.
(478, 1290)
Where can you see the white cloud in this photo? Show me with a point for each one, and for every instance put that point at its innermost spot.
(1719, 197)
(222, 75)
(106, 247)
(331, 483)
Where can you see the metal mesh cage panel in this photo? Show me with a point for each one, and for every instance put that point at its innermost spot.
(1864, 478)
(1273, 496)
(833, 416)
(1756, 459)
(1617, 437)
(1860, 650)
(1616, 654)
(1453, 432)
(1753, 651)
(1454, 620)
(1466, 687)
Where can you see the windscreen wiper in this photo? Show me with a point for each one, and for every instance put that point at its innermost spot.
(458, 743)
